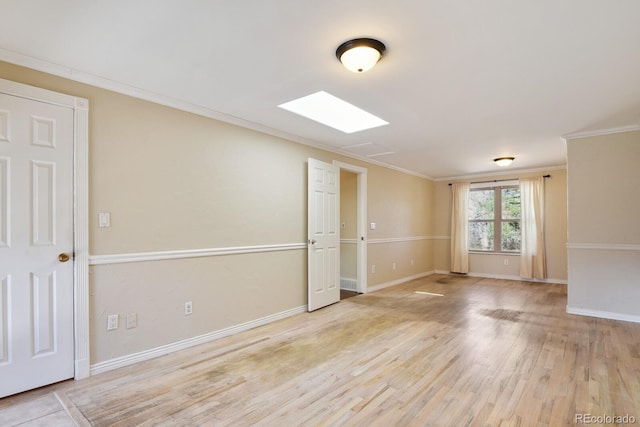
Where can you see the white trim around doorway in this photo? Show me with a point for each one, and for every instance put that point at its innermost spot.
(361, 241)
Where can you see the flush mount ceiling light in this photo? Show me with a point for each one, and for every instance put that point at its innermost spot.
(360, 55)
(504, 161)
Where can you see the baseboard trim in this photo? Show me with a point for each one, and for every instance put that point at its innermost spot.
(399, 281)
(603, 314)
(130, 359)
(508, 277)
(518, 278)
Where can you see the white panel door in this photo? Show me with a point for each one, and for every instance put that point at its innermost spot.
(36, 232)
(324, 234)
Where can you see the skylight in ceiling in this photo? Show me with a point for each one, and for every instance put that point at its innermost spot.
(329, 110)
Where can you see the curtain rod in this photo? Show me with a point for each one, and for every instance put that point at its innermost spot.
(501, 180)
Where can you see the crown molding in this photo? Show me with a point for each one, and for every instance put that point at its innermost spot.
(599, 132)
(135, 92)
(502, 173)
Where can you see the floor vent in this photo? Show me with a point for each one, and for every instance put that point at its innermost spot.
(348, 284)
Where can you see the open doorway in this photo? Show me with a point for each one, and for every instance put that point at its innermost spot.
(348, 234)
(353, 229)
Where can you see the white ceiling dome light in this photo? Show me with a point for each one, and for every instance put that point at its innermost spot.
(360, 55)
(504, 161)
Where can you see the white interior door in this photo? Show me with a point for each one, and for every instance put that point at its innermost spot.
(324, 234)
(36, 234)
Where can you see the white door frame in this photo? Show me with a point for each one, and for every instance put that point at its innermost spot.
(80, 107)
(361, 238)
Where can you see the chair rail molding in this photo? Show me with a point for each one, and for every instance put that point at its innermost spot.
(605, 246)
(191, 253)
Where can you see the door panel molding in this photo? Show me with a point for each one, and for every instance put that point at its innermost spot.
(42, 312)
(5, 197)
(43, 213)
(5, 315)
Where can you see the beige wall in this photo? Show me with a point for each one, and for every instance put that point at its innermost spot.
(384, 255)
(604, 172)
(494, 264)
(174, 180)
(604, 236)
(226, 291)
(388, 193)
(395, 218)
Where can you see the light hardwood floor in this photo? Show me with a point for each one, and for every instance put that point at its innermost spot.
(486, 353)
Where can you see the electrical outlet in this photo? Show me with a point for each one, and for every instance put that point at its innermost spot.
(132, 320)
(104, 219)
(412, 263)
(112, 322)
(373, 268)
(188, 308)
(393, 265)
(506, 261)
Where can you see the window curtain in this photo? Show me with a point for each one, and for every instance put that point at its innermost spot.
(533, 262)
(460, 228)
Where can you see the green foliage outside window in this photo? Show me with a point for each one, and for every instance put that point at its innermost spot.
(491, 230)
(510, 241)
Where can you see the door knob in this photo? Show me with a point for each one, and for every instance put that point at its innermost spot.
(63, 257)
(313, 242)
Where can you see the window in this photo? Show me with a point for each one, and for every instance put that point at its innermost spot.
(494, 219)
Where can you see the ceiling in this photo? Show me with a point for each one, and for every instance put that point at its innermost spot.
(462, 82)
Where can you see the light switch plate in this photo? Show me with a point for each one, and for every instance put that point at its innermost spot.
(372, 226)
